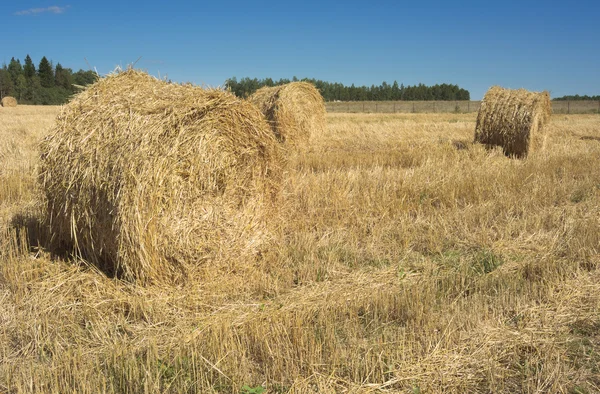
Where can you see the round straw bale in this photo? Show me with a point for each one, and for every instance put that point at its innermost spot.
(9, 101)
(513, 120)
(147, 179)
(294, 111)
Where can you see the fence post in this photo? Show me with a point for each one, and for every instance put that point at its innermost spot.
(599, 106)
(376, 106)
(413, 107)
(395, 106)
(434, 107)
(568, 107)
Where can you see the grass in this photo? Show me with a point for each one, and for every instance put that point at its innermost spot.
(406, 259)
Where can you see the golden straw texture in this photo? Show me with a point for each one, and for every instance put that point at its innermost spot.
(513, 120)
(148, 179)
(295, 111)
(9, 101)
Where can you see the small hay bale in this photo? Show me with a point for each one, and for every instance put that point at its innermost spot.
(148, 179)
(294, 111)
(513, 120)
(9, 101)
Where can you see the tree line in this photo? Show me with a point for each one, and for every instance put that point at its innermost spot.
(47, 85)
(337, 91)
(577, 98)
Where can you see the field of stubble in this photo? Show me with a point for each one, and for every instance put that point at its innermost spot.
(405, 259)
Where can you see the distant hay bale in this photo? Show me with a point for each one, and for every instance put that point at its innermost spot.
(147, 179)
(294, 111)
(513, 120)
(9, 101)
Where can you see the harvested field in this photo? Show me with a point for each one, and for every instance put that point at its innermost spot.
(405, 259)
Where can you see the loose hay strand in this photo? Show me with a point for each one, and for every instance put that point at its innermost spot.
(295, 111)
(513, 120)
(148, 179)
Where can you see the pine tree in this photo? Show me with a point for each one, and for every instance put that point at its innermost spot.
(385, 91)
(395, 91)
(6, 83)
(14, 70)
(32, 89)
(28, 68)
(63, 77)
(338, 91)
(21, 86)
(46, 73)
(58, 71)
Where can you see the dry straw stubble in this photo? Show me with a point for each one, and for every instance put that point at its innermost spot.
(295, 111)
(9, 101)
(513, 120)
(147, 179)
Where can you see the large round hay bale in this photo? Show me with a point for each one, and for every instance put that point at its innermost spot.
(148, 179)
(9, 101)
(295, 111)
(513, 120)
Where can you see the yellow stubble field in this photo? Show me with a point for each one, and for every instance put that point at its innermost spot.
(405, 259)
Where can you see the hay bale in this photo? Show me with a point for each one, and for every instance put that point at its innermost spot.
(148, 179)
(513, 120)
(295, 111)
(9, 101)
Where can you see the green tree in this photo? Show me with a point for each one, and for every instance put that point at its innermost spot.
(32, 90)
(395, 91)
(63, 77)
(6, 83)
(21, 86)
(44, 86)
(337, 91)
(14, 69)
(84, 78)
(29, 68)
(577, 97)
(386, 91)
(46, 73)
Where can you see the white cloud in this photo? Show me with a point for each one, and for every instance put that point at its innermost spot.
(36, 11)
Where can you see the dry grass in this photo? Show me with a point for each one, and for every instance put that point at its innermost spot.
(407, 259)
(152, 180)
(9, 101)
(295, 111)
(513, 120)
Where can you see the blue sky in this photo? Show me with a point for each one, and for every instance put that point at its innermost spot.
(475, 44)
